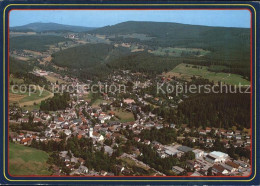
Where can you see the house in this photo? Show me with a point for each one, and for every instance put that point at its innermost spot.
(238, 137)
(102, 118)
(241, 163)
(26, 141)
(67, 132)
(184, 149)
(208, 129)
(103, 173)
(198, 153)
(177, 170)
(97, 136)
(147, 142)
(202, 132)
(137, 139)
(108, 150)
(230, 132)
(216, 157)
(231, 166)
(82, 169)
(128, 101)
(219, 169)
(36, 120)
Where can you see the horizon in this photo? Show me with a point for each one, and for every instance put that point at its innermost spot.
(97, 18)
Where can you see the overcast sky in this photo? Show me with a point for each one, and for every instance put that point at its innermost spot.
(99, 18)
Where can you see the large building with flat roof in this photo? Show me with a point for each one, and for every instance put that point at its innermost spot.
(216, 157)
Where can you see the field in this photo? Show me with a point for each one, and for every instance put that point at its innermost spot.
(27, 161)
(186, 72)
(124, 116)
(26, 99)
(52, 78)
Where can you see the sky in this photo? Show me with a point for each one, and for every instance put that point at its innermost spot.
(100, 18)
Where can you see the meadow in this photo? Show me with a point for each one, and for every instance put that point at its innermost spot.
(187, 71)
(27, 161)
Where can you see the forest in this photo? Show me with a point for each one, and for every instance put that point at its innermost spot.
(211, 110)
(35, 42)
(228, 46)
(58, 102)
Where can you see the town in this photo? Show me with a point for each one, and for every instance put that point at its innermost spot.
(122, 134)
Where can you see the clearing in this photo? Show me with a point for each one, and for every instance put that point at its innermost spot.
(187, 71)
(124, 116)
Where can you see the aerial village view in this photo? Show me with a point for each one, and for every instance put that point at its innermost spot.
(148, 95)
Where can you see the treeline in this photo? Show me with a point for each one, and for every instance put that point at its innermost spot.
(238, 66)
(58, 102)
(36, 43)
(164, 135)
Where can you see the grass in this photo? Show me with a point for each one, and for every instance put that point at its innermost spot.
(27, 161)
(186, 71)
(124, 115)
(28, 99)
(53, 79)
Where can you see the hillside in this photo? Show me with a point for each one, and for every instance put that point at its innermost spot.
(88, 61)
(227, 46)
(18, 66)
(43, 27)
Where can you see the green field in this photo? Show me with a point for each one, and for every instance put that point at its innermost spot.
(24, 98)
(186, 71)
(124, 116)
(27, 161)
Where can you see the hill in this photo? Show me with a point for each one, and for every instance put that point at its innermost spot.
(227, 46)
(88, 61)
(27, 161)
(43, 27)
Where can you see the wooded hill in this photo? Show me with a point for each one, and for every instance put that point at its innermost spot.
(228, 46)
